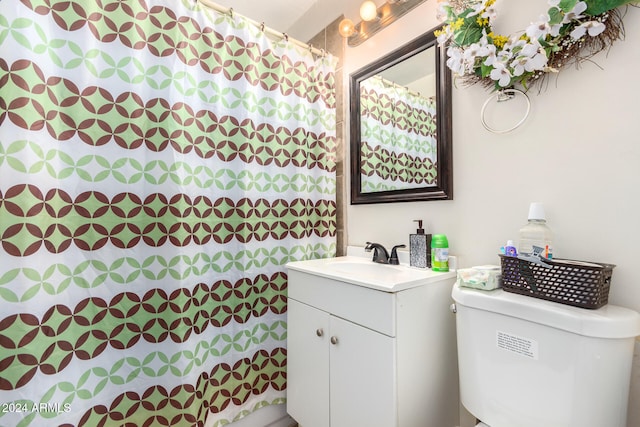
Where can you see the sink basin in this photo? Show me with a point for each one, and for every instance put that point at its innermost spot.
(366, 268)
(364, 272)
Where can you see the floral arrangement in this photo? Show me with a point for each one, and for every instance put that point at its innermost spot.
(570, 32)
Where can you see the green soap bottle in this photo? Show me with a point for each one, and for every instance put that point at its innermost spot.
(439, 253)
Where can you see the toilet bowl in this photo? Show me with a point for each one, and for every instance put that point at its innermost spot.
(528, 362)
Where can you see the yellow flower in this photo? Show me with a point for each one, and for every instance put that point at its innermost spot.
(489, 3)
(455, 26)
(498, 40)
(482, 21)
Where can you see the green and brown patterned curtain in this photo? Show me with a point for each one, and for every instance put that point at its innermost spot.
(398, 128)
(160, 163)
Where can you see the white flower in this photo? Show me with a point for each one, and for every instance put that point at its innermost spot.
(532, 57)
(487, 51)
(518, 65)
(456, 60)
(445, 35)
(514, 45)
(491, 56)
(479, 49)
(576, 13)
(537, 58)
(540, 29)
(592, 27)
(477, 8)
(486, 48)
(501, 74)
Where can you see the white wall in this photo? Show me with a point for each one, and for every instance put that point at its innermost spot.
(578, 153)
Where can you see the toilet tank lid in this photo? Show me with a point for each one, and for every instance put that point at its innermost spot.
(609, 321)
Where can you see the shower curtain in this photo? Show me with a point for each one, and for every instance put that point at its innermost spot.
(160, 163)
(398, 127)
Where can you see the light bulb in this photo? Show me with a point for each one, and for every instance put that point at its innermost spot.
(368, 11)
(346, 28)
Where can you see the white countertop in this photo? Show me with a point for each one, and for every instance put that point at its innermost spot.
(362, 271)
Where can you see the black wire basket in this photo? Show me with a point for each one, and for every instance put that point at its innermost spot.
(570, 282)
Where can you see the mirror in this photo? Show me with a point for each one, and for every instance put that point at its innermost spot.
(401, 126)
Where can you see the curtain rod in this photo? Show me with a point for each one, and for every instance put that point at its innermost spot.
(270, 31)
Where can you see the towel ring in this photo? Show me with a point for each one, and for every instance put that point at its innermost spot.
(505, 95)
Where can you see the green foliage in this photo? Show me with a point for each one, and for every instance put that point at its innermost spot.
(567, 5)
(470, 33)
(555, 16)
(597, 7)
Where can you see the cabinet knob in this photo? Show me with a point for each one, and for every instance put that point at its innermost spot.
(334, 340)
(319, 332)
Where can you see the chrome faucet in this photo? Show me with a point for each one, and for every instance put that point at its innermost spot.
(380, 254)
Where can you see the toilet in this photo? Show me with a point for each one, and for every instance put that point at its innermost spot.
(526, 362)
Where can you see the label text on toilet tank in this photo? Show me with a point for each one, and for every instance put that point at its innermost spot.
(515, 344)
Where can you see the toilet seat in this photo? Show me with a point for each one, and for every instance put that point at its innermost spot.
(482, 425)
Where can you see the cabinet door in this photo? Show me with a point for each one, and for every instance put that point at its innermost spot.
(363, 375)
(307, 364)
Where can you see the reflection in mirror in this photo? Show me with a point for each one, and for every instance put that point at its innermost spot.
(401, 126)
(398, 126)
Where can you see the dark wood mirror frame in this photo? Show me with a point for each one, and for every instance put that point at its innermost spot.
(443, 189)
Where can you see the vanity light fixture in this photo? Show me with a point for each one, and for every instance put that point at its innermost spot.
(346, 28)
(368, 11)
(374, 19)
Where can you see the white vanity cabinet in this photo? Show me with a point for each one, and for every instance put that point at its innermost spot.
(333, 366)
(365, 357)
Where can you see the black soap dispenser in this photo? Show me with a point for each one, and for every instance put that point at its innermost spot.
(420, 248)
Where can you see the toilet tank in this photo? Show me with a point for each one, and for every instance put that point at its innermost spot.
(533, 363)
